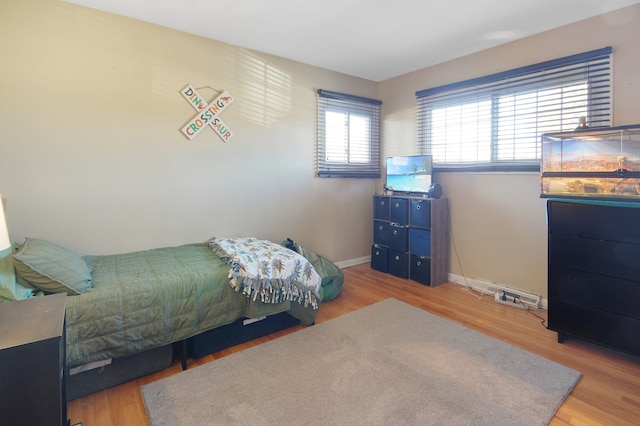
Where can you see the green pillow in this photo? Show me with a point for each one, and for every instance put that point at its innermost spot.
(51, 268)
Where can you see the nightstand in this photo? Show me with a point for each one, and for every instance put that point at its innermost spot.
(33, 388)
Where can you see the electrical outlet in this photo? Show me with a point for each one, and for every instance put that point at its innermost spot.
(507, 299)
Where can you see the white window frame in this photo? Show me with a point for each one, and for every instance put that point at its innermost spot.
(348, 136)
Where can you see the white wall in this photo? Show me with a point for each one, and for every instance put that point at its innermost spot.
(92, 157)
(498, 220)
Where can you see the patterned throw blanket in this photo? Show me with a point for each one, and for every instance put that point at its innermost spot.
(268, 271)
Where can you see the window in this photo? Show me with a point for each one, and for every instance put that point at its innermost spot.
(495, 122)
(348, 136)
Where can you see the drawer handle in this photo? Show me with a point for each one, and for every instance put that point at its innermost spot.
(380, 228)
(395, 232)
(418, 263)
(397, 205)
(418, 207)
(397, 257)
(377, 253)
(382, 203)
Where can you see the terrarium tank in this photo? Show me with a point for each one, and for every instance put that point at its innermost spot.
(600, 163)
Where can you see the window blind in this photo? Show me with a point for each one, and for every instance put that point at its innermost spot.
(495, 122)
(348, 136)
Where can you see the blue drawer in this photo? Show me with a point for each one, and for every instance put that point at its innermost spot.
(420, 213)
(420, 242)
(399, 210)
(381, 207)
(420, 269)
(398, 264)
(381, 232)
(398, 237)
(379, 258)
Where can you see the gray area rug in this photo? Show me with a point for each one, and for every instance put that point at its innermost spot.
(387, 364)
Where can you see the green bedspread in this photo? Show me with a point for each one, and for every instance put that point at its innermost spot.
(147, 299)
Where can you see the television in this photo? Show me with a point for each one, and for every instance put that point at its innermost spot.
(410, 174)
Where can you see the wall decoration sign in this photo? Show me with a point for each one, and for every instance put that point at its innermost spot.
(207, 114)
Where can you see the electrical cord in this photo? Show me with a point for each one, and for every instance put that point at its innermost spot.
(526, 308)
(466, 286)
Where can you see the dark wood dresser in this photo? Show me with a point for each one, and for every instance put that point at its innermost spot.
(594, 272)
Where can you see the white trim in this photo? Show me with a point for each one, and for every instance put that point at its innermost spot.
(477, 285)
(353, 262)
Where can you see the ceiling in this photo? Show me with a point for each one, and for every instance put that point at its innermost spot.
(372, 39)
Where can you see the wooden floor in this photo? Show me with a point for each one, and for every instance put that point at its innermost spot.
(607, 394)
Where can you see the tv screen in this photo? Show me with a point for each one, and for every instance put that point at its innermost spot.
(409, 174)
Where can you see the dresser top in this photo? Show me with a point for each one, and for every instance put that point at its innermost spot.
(32, 320)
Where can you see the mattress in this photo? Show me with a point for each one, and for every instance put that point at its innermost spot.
(148, 299)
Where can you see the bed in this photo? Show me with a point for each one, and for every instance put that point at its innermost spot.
(145, 302)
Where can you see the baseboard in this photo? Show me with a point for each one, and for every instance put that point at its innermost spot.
(353, 262)
(453, 278)
(481, 286)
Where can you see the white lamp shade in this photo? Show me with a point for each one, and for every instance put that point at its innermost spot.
(5, 242)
